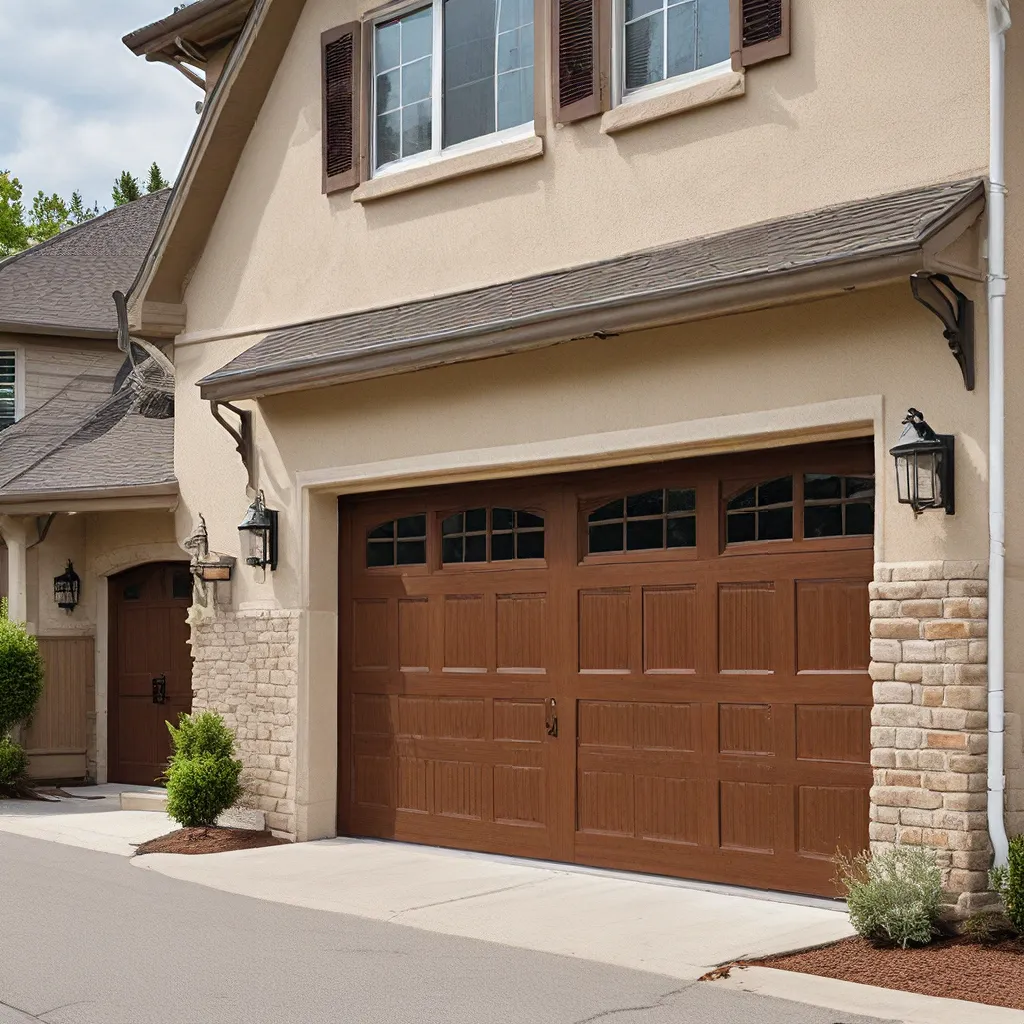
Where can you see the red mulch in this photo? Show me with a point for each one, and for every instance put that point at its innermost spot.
(209, 840)
(990, 973)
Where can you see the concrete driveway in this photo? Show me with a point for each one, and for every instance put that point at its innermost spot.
(628, 921)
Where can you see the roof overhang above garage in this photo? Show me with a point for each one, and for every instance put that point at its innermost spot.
(795, 259)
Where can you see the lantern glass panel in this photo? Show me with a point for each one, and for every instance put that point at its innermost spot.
(256, 546)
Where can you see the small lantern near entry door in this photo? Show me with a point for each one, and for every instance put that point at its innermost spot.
(924, 466)
(66, 589)
(259, 535)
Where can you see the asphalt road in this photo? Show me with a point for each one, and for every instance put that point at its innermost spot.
(85, 938)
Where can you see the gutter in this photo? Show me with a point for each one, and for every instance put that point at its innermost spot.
(999, 23)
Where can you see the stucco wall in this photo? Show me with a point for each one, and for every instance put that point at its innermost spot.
(875, 98)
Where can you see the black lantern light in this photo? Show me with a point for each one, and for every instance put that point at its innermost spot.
(66, 589)
(924, 466)
(259, 535)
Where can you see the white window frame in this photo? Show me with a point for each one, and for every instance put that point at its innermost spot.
(19, 378)
(436, 154)
(622, 96)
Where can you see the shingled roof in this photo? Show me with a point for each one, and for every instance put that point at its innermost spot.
(823, 252)
(87, 439)
(64, 285)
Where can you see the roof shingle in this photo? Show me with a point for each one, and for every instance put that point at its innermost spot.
(65, 284)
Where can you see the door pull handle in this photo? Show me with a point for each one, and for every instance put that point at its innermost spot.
(160, 690)
(551, 716)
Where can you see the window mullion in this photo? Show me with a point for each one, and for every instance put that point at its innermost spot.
(664, 41)
(437, 80)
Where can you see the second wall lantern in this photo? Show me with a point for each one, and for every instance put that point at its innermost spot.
(924, 466)
(259, 535)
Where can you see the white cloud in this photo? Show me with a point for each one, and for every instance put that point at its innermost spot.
(77, 106)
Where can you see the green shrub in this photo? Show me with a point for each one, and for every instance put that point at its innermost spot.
(21, 675)
(13, 765)
(984, 926)
(201, 734)
(893, 896)
(202, 775)
(1008, 882)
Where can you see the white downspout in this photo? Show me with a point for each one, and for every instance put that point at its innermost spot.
(998, 23)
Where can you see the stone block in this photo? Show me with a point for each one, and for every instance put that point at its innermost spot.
(965, 801)
(920, 571)
(882, 670)
(949, 718)
(942, 629)
(892, 796)
(946, 740)
(879, 832)
(886, 815)
(922, 651)
(908, 673)
(915, 816)
(886, 651)
(896, 629)
(908, 739)
(969, 698)
(883, 573)
(932, 696)
(922, 608)
(968, 588)
(968, 764)
(978, 652)
(884, 609)
(882, 736)
(963, 570)
(892, 693)
(883, 758)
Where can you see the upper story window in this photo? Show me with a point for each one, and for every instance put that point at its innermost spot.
(8, 388)
(447, 73)
(663, 39)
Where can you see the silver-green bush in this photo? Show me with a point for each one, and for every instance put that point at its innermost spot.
(893, 896)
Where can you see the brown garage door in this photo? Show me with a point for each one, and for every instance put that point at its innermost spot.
(660, 668)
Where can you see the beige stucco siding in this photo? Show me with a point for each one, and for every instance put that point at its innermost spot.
(877, 346)
(854, 112)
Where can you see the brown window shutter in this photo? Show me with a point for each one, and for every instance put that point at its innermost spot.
(340, 52)
(580, 58)
(760, 31)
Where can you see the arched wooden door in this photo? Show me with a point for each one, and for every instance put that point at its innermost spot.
(150, 668)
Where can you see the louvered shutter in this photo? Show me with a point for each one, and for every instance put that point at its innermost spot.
(760, 31)
(8, 388)
(340, 52)
(580, 58)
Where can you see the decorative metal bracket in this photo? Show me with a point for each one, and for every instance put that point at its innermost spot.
(937, 293)
(242, 436)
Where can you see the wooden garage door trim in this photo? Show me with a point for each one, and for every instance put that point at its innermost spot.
(750, 746)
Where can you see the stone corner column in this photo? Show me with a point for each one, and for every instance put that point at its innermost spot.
(929, 741)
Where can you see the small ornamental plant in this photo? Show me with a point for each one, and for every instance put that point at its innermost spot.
(893, 896)
(21, 686)
(203, 773)
(1007, 882)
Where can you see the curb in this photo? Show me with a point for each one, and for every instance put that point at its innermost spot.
(851, 997)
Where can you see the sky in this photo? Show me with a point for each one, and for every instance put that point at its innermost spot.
(77, 106)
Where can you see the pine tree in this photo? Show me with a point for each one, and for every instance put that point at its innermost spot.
(126, 189)
(13, 230)
(157, 180)
(80, 213)
(50, 215)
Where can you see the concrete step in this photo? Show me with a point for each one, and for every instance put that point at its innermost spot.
(144, 802)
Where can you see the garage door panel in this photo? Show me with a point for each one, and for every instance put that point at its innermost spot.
(745, 729)
(833, 732)
(671, 630)
(748, 627)
(746, 818)
(521, 632)
(414, 634)
(465, 633)
(832, 626)
(831, 818)
(604, 630)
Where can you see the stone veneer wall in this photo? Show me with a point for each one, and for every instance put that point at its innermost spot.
(246, 669)
(929, 654)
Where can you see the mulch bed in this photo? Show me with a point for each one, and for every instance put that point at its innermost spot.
(209, 840)
(957, 968)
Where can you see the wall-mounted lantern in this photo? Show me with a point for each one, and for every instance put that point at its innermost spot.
(259, 535)
(924, 466)
(66, 589)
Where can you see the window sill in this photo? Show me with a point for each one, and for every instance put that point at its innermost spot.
(448, 168)
(702, 93)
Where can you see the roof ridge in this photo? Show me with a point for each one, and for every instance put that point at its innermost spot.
(91, 222)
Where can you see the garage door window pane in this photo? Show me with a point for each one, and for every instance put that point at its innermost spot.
(763, 512)
(491, 535)
(838, 506)
(648, 521)
(397, 542)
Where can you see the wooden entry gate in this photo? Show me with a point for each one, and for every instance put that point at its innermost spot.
(660, 668)
(149, 668)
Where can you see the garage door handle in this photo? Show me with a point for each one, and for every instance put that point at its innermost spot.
(551, 716)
